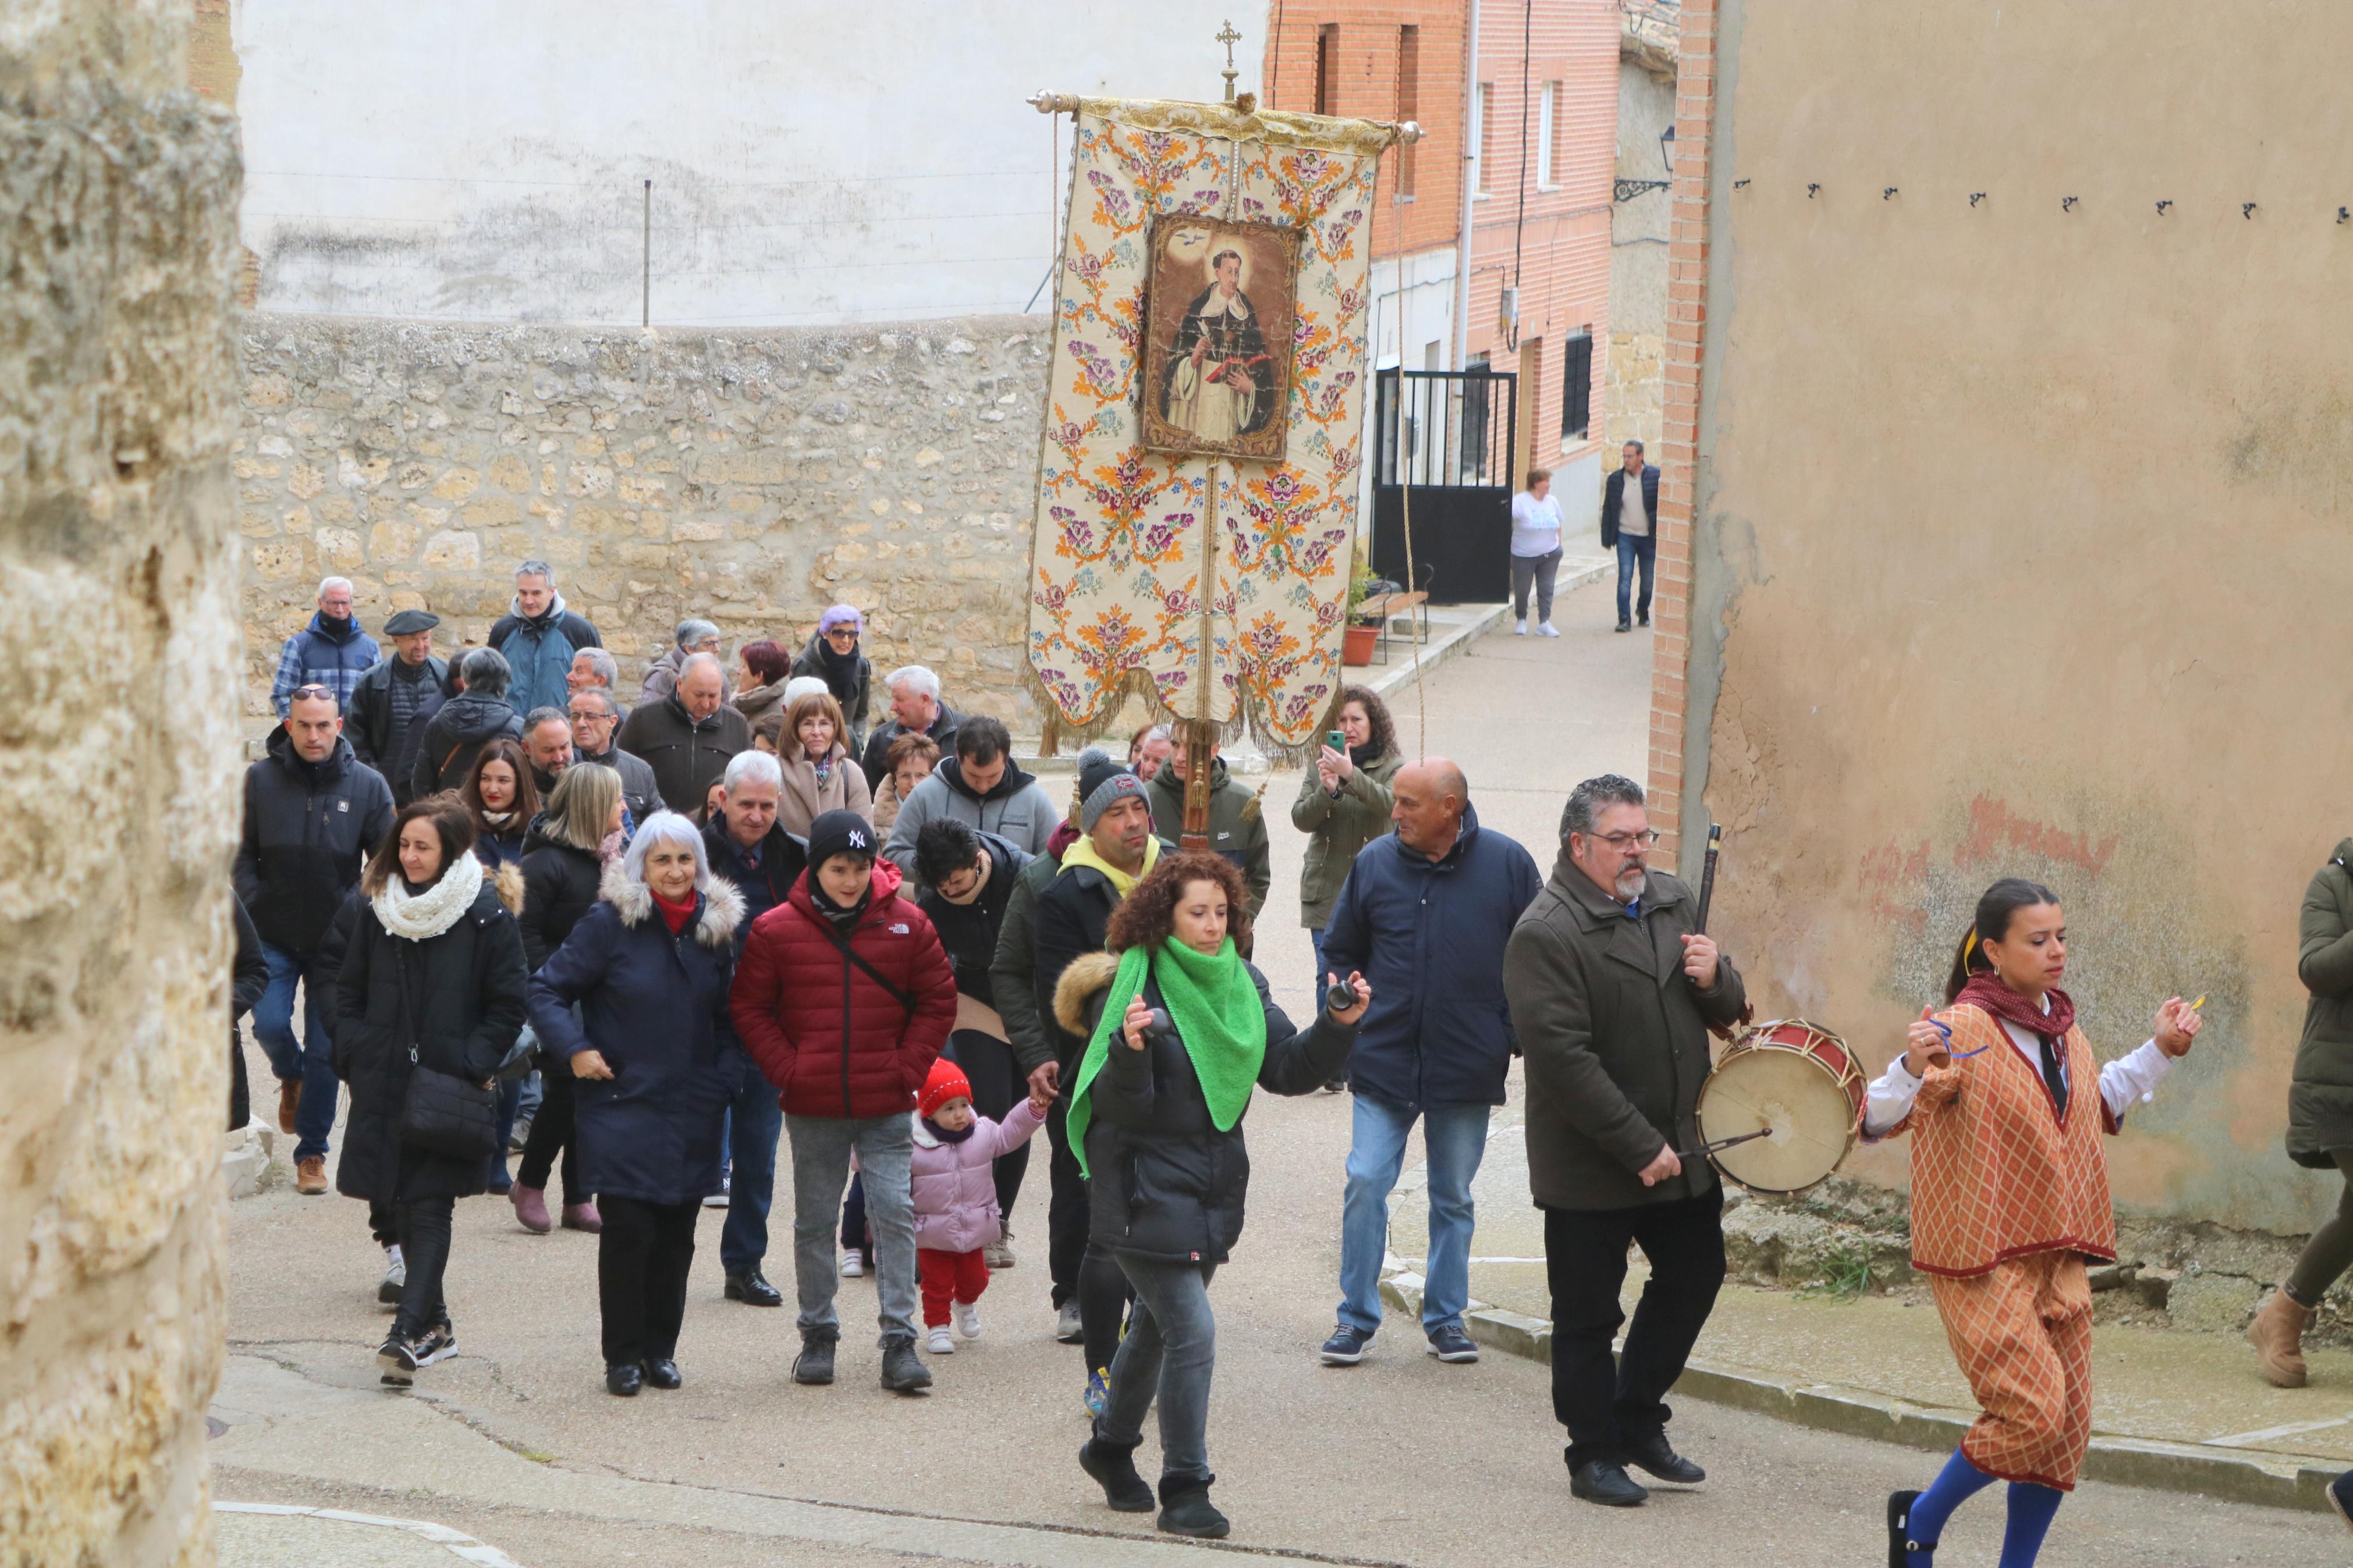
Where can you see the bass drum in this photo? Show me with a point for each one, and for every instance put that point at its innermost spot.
(1797, 1085)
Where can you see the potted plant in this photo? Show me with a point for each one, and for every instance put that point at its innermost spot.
(1363, 632)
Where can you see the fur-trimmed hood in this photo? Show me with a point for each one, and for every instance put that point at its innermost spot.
(1088, 975)
(723, 906)
(508, 881)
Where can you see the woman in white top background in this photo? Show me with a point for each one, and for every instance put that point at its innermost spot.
(1536, 551)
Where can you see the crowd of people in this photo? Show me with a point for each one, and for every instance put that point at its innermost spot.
(649, 945)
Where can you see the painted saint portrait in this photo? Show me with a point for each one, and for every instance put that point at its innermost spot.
(1219, 308)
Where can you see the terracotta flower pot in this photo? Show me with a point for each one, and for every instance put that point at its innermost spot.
(1358, 648)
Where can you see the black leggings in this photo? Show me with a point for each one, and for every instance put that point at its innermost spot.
(642, 1261)
(997, 1084)
(425, 1247)
(551, 1131)
(2330, 1250)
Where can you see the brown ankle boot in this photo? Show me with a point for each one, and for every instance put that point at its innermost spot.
(2277, 1334)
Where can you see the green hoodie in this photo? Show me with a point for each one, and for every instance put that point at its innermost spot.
(1237, 825)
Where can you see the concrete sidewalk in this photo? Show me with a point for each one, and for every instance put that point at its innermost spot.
(2180, 1410)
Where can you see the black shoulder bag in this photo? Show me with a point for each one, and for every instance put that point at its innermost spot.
(444, 1114)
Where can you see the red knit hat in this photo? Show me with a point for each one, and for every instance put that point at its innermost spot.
(947, 1082)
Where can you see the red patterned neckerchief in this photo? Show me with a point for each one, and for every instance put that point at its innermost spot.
(2009, 1006)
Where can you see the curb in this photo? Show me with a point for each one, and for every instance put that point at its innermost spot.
(2279, 1480)
(463, 1547)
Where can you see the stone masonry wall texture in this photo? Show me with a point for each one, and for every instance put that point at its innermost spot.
(118, 768)
(750, 477)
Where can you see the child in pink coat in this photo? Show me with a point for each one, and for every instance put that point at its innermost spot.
(955, 1198)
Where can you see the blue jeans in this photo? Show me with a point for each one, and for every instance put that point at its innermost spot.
(307, 1063)
(1169, 1354)
(1633, 548)
(1455, 1137)
(755, 1121)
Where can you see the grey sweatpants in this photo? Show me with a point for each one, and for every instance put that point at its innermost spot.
(885, 1147)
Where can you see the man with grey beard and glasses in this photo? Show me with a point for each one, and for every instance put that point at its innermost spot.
(1613, 990)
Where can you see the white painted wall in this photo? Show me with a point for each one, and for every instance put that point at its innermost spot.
(813, 163)
(1413, 307)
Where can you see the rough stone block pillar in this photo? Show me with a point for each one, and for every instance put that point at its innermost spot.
(118, 777)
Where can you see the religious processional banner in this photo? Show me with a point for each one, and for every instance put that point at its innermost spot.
(1197, 477)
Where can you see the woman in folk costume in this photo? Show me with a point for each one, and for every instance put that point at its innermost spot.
(2009, 1196)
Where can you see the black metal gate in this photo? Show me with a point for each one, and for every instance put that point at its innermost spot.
(1449, 436)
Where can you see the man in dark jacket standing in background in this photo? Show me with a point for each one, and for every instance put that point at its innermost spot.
(745, 846)
(688, 736)
(1630, 525)
(411, 684)
(915, 710)
(313, 813)
(594, 720)
(330, 650)
(1423, 916)
(1613, 990)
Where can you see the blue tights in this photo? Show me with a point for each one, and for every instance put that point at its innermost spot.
(2032, 1509)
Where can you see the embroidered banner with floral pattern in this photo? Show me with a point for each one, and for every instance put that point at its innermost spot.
(1130, 547)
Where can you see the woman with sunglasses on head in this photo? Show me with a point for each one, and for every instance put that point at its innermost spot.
(2010, 1194)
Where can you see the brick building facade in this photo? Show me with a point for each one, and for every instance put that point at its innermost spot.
(1537, 180)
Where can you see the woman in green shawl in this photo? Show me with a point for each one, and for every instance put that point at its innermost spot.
(1179, 1028)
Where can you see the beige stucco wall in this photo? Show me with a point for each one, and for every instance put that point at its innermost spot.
(2018, 546)
(118, 763)
(1633, 398)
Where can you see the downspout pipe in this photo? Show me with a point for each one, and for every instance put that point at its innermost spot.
(1470, 188)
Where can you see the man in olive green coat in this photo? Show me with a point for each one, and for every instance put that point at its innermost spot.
(1237, 825)
(1612, 989)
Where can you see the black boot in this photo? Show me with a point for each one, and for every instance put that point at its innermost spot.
(903, 1371)
(624, 1379)
(660, 1371)
(1186, 1509)
(1651, 1452)
(754, 1290)
(814, 1365)
(1112, 1465)
(1599, 1481)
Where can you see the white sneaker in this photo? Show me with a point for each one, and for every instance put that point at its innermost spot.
(718, 1200)
(941, 1342)
(1068, 1328)
(968, 1318)
(1520, 628)
(396, 1279)
(852, 1266)
(1547, 630)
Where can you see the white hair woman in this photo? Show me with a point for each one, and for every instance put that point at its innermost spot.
(649, 969)
(433, 981)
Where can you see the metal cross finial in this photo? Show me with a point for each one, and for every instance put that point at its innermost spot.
(1228, 37)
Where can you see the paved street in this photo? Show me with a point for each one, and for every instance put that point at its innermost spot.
(1402, 1460)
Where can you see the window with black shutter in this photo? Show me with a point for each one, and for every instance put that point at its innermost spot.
(1577, 388)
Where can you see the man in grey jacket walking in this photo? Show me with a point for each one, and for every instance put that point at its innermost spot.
(1612, 989)
(980, 787)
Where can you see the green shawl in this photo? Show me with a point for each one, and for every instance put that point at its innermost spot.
(1216, 1010)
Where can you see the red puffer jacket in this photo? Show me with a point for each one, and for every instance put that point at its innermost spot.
(834, 1041)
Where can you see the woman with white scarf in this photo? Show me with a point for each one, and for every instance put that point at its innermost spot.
(433, 979)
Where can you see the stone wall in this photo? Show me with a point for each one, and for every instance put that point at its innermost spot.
(750, 477)
(118, 769)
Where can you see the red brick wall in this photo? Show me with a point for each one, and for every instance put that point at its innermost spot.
(1562, 239)
(1364, 83)
(1686, 325)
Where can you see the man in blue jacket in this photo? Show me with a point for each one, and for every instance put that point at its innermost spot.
(539, 636)
(330, 650)
(1424, 916)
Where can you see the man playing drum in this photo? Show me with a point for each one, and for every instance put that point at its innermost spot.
(1613, 990)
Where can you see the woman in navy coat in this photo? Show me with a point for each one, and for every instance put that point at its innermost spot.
(650, 967)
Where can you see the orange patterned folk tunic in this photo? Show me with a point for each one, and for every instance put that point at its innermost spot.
(2008, 1200)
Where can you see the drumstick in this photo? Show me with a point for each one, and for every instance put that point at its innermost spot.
(1707, 874)
(1720, 1144)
